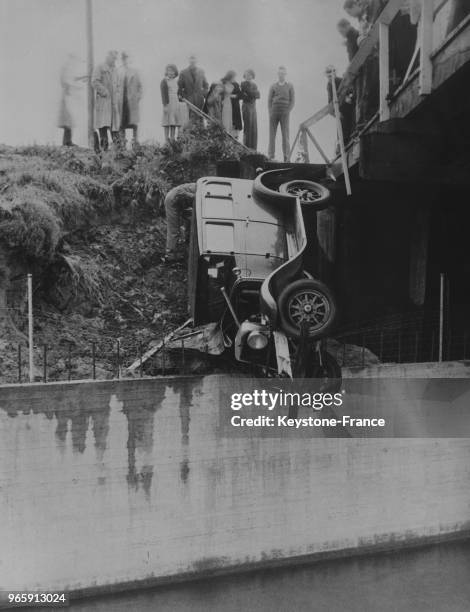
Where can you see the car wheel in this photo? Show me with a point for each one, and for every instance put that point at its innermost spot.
(308, 192)
(307, 302)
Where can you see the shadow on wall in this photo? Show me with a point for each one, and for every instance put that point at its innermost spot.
(79, 408)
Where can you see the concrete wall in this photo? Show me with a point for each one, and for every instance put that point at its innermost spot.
(103, 485)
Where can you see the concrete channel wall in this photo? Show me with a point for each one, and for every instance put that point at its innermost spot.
(109, 485)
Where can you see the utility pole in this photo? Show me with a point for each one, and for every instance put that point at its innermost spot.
(90, 64)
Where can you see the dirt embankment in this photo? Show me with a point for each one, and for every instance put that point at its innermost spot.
(90, 230)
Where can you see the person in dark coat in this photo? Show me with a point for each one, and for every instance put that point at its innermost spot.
(193, 86)
(350, 36)
(236, 96)
(249, 95)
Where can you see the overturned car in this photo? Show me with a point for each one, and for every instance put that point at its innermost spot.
(246, 274)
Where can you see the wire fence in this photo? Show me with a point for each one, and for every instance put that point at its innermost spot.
(410, 338)
(407, 338)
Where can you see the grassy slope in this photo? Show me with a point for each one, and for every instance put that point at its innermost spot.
(90, 230)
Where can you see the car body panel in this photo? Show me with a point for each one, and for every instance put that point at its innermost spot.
(246, 226)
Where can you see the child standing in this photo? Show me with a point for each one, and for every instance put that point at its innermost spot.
(171, 105)
(213, 106)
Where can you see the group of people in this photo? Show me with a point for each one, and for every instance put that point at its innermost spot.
(118, 91)
(403, 41)
(186, 97)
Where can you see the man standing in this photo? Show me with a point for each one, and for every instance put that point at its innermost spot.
(281, 101)
(131, 96)
(105, 82)
(193, 86)
(176, 201)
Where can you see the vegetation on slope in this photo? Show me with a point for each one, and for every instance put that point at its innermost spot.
(90, 230)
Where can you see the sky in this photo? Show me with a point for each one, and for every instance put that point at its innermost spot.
(37, 35)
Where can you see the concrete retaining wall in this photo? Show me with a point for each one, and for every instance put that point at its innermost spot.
(103, 485)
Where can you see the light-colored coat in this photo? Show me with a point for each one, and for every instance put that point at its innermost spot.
(69, 88)
(108, 97)
(134, 94)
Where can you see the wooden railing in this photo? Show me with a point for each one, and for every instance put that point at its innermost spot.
(379, 38)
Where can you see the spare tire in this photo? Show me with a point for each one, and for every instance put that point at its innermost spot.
(312, 194)
(309, 302)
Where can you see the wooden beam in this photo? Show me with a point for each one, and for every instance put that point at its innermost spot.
(425, 36)
(384, 71)
(318, 116)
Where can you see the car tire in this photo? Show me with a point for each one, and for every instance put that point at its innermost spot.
(311, 194)
(309, 301)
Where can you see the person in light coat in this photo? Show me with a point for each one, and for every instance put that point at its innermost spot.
(69, 83)
(131, 89)
(108, 100)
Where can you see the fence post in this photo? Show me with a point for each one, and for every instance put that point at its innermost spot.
(118, 354)
(44, 363)
(183, 357)
(441, 317)
(69, 362)
(93, 360)
(30, 328)
(19, 363)
(163, 356)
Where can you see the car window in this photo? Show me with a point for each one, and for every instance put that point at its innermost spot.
(220, 237)
(218, 208)
(223, 190)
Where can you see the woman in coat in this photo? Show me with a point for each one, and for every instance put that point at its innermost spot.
(236, 96)
(131, 96)
(249, 95)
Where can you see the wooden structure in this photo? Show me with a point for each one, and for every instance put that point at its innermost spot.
(383, 248)
(436, 68)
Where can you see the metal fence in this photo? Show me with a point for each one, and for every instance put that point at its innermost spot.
(400, 339)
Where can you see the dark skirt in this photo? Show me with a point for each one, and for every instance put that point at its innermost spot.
(250, 125)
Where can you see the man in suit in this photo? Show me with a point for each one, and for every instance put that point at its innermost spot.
(193, 86)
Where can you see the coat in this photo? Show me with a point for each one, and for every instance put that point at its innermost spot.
(108, 97)
(131, 89)
(66, 117)
(236, 113)
(193, 86)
